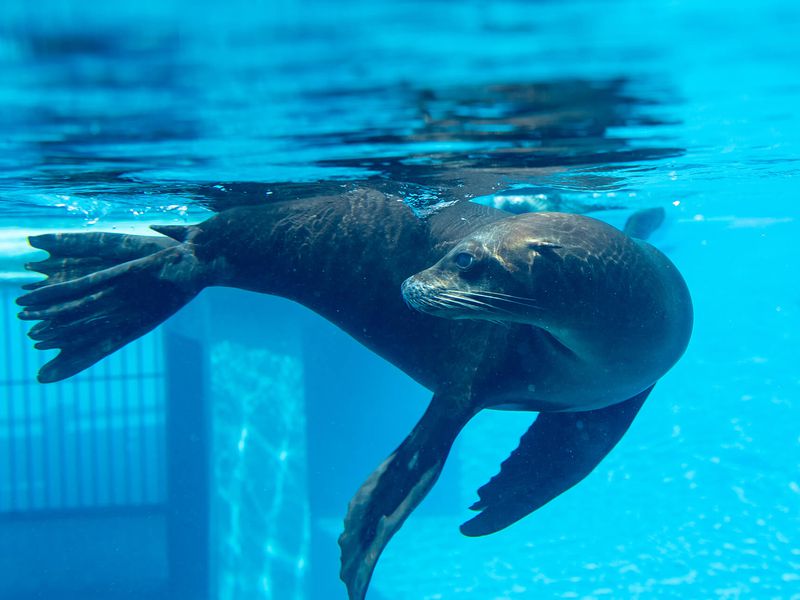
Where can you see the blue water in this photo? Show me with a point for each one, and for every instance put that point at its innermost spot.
(119, 115)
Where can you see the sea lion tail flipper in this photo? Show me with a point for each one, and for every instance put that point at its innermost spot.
(558, 451)
(394, 490)
(102, 291)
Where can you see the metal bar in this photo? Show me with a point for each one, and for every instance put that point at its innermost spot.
(62, 446)
(125, 467)
(111, 454)
(76, 420)
(27, 425)
(12, 445)
(161, 424)
(26, 400)
(38, 445)
(6, 501)
(44, 417)
(143, 445)
(94, 445)
(5, 428)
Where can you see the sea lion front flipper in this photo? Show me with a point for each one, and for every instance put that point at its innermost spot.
(394, 490)
(643, 223)
(556, 452)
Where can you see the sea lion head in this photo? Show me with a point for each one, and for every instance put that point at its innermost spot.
(523, 269)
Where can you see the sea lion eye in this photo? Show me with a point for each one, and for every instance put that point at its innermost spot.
(464, 260)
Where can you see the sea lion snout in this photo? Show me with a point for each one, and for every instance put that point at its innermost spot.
(444, 293)
(438, 292)
(422, 293)
(412, 293)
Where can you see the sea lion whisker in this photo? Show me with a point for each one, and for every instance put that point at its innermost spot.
(442, 301)
(457, 295)
(473, 303)
(476, 305)
(520, 300)
(487, 302)
(499, 295)
(434, 303)
(453, 301)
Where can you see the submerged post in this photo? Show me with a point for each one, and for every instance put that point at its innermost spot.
(187, 468)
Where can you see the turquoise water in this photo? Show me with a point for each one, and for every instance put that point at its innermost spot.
(118, 117)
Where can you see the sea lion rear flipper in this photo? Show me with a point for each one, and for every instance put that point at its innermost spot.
(394, 490)
(558, 451)
(73, 255)
(102, 291)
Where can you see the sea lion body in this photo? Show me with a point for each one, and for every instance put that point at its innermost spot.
(347, 257)
(554, 313)
(344, 258)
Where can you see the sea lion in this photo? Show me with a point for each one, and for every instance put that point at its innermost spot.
(551, 312)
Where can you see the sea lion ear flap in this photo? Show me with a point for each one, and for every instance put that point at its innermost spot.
(558, 451)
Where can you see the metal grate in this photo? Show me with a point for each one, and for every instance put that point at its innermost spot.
(94, 441)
